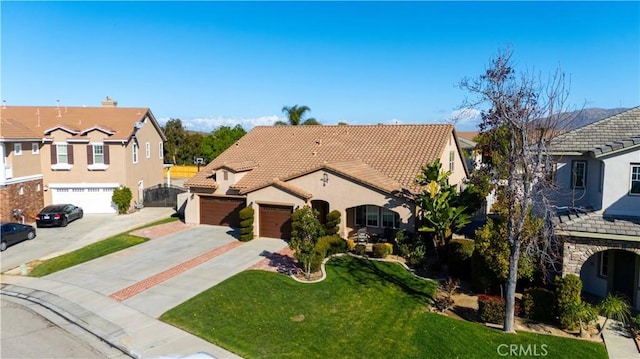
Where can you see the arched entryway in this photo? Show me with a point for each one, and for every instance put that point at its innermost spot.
(323, 209)
(612, 271)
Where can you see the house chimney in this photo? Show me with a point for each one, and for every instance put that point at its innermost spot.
(109, 102)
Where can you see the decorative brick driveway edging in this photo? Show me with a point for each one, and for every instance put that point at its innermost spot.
(161, 230)
(156, 279)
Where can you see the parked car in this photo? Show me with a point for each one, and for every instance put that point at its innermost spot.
(12, 233)
(58, 215)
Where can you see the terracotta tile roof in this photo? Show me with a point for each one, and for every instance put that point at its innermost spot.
(601, 137)
(204, 179)
(387, 155)
(240, 166)
(12, 129)
(292, 189)
(40, 119)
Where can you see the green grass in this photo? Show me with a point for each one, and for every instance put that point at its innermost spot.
(364, 309)
(93, 251)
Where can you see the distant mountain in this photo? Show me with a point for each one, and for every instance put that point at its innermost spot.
(589, 115)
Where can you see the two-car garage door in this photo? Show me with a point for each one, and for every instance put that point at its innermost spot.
(90, 199)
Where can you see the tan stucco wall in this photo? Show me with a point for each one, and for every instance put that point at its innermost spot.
(270, 195)
(458, 174)
(26, 164)
(148, 170)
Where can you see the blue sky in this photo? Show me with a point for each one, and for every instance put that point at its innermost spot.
(223, 63)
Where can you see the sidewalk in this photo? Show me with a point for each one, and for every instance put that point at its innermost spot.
(618, 341)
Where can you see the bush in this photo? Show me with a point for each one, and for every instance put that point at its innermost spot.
(351, 245)
(381, 250)
(460, 252)
(491, 309)
(360, 249)
(410, 248)
(333, 220)
(246, 224)
(332, 244)
(568, 290)
(122, 198)
(483, 280)
(539, 304)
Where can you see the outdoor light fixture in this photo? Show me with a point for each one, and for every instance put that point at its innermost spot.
(325, 179)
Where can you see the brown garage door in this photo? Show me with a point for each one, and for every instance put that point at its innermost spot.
(221, 211)
(275, 221)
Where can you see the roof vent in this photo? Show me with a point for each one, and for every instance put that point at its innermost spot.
(109, 102)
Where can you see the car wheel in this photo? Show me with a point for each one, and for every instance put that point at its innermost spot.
(31, 235)
(3, 246)
(64, 222)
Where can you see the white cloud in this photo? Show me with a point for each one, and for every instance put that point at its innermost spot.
(208, 124)
(465, 117)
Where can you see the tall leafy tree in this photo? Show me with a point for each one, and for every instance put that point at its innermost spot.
(305, 231)
(296, 116)
(439, 203)
(176, 137)
(522, 113)
(219, 140)
(191, 148)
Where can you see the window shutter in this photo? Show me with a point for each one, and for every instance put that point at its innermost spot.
(70, 154)
(54, 154)
(90, 154)
(105, 151)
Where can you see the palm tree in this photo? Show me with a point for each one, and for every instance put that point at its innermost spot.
(295, 115)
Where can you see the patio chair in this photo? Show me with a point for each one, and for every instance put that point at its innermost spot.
(362, 235)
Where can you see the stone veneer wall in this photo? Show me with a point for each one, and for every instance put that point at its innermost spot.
(30, 202)
(577, 250)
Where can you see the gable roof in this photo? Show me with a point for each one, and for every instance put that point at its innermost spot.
(78, 121)
(14, 130)
(387, 157)
(601, 137)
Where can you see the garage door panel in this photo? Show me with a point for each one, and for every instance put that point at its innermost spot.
(275, 221)
(221, 211)
(91, 200)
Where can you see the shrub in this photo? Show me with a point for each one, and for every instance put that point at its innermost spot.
(539, 304)
(246, 224)
(122, 198)
(635, 326)
(333, 220)
(351, 245)
(333, 244)
(568, 291)
(491, 308)
(360, 249)
(410, 248)
(483, 280)
(381, 250)
(443, 300)
(460, 252)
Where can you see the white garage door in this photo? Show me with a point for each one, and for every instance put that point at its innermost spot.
(92, 200)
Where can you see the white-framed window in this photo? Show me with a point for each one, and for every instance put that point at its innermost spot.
(21, 190)
(17, 149)
(62, 154)
(161, 150)
(98, 154)
(579, 174)
(635, 178)
(37, 187)
(604, 264)
(35, 148)
(147, 149)
(390, 219)
(452, 160)
(135, 152)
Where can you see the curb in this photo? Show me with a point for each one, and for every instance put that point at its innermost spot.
(67, 315)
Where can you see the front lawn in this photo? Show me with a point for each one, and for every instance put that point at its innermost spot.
(93, 251)
(364, 309)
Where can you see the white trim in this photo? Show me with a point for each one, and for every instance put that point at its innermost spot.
(600, 265)
(20, 179)
(35, 149)
(78, 140)
(97, 167)
(619, 237)
(67, 130)
(84, 185)
(147, 149)
(61, 167)
(135, 152)
(161, 150)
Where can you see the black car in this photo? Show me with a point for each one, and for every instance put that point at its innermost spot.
(58, 215)
(12, 233)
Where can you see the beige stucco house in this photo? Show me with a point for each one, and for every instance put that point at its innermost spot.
(79, 155)
(366, 173)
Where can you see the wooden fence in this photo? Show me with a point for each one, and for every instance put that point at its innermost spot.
(180, 171)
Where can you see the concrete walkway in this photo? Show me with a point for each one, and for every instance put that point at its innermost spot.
(618, 341)
(120, 296)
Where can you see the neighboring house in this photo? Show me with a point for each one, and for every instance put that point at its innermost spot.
(366, 173)
(598, 198)
(20, 172)
(84, 153)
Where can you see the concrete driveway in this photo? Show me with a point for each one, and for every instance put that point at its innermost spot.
(51, 242)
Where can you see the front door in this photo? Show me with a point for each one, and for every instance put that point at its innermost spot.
(623, 276)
